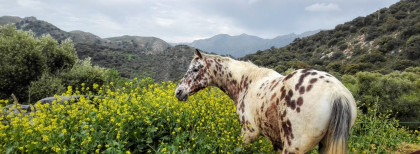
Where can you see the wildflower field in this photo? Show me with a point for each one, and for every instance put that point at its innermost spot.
(140, 116)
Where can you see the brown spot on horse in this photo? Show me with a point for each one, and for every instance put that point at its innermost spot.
(299, 101)
(312, 81)
(309, 88)
(301, 90)
(289, 76)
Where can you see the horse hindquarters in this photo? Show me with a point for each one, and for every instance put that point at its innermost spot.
(335, 140)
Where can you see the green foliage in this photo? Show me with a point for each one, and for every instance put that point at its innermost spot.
(335, 66)
(47, 85)
(386, 44)
(25, 59)
(375, 132)
(397, 91)
(84, 72)
(34, 68)
(412, 50)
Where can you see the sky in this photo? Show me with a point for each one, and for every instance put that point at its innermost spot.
(178, 21)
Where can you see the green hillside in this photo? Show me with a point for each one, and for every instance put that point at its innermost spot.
(169, 64)
(386, 40)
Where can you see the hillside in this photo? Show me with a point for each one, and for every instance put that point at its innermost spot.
(169, 64)
(241, 45)
(386, 40)
(130, 55)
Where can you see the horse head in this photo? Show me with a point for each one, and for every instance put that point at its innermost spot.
(196, 78)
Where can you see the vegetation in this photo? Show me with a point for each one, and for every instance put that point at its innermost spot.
(144, 117)
(33, 68)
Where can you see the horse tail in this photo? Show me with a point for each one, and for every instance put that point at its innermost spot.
(339, 127)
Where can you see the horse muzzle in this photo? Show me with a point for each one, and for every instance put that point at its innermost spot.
(181, 95)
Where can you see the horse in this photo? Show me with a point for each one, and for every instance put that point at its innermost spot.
(295, 112)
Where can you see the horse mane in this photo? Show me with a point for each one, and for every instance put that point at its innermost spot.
(253, 69)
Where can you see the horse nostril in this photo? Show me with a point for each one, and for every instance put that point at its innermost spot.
(178, 93)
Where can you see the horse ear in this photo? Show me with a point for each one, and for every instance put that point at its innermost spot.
(198, 54)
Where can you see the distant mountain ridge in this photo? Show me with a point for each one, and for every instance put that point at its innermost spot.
(241, 45)
(148, 45)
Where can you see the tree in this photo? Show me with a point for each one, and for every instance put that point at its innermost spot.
(25, 58)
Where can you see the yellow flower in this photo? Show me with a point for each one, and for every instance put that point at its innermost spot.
(95, 86)
(64, 131)
(128, 152)
(45, 138)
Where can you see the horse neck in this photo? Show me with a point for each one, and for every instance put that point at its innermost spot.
(231, 76)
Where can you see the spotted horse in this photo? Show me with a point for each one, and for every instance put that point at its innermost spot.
(295, 112)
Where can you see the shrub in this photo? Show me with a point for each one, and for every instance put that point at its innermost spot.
(412, 47)
(397, 91)
(47, 85)
(335, 66)
(84, 73)
(24, 59)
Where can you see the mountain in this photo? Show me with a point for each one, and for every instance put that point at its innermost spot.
(384, 41)
(9, 20)
(150, 44)
(130, 55)
(85, 37)
(240, 45)
(138, 44)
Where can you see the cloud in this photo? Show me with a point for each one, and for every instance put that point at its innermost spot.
(322, 7)
(188, 20)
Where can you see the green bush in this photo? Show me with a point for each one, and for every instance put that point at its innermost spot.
(47, 85)
(397, 91)
(84, 73)
(25, 58)
(412, 47)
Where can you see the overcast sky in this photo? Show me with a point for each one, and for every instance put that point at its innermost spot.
(187, 20)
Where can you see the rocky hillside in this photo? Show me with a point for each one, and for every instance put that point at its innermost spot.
(241, 45)
(386, 40)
